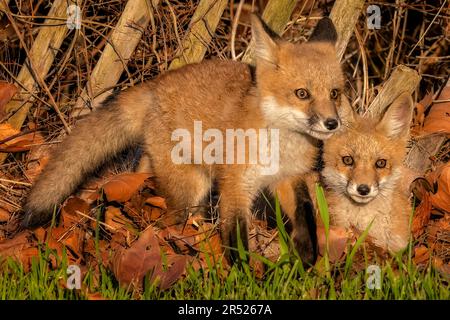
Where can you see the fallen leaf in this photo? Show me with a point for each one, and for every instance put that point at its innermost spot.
(121, 187)
(69, 215)
(419, 113)
(95, 296)
(176, 266)
(421, 254)
(4, 215)
(7, 91)
(21, 248)
(438, 120)
(422, 216)
(18, 142)
(117, 222)
(40, 234)
(157, 202)
(132, 264)
(337, 242)
(440, 178)
(144, 256)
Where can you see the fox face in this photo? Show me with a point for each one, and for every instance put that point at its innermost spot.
(364, 161)
(300, 85)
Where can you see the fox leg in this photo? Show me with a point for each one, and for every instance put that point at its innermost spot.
(184, 190)
(296, 203)
(185, 187)
(234, 206)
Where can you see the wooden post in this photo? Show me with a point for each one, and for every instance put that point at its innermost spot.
(115, 56)
(402, 79)
(344, 15)
(3, 6)
(41, 56)
(204, 22)
(276, 15)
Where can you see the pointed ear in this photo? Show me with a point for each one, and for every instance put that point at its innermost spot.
(346, 112)
(324, 31)
(397, 118)
(266, 49)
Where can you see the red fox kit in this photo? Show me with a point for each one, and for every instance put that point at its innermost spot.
(362, 168)
(296, 89)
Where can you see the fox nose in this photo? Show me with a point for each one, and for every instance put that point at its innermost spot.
(331, 123)
(363, 189)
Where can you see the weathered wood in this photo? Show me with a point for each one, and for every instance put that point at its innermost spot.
(418, 158)
(402, 79)
(3, 6)
(344, 15)
(203, 23)
(276, 15)
(42, 54)
(37, 65)
(111, 64)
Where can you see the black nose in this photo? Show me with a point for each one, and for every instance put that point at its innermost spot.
(363, 189)
(331, 123)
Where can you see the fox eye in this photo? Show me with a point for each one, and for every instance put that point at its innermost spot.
(334, 94)
(302, 93)
(381, 163)
(347, 160)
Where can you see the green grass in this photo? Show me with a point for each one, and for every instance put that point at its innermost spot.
(285, 279)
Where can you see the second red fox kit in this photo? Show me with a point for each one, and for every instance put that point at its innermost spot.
(363, 166)
(296, 89)
(361, 175)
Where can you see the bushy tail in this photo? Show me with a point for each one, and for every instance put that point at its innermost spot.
(102, 134)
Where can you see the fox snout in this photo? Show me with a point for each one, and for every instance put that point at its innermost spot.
(325, 125)
(328, 124)
(324, 117)
(362, 192)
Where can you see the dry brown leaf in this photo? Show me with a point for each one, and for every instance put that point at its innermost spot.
(21, 248)
(6, 131)
(176, 268)
(337, 242)
(4, 215)
(116, 221)
(157, 202)
(419, 113)
(34, 168)
(144, 256)
(441, 178)
(421, 216)
(421, 254)
(95, 296)
(121, 187)
(132, 264)
(69, 215)
(23, 142)
(7, 91)
(438, 120)
(40, 233)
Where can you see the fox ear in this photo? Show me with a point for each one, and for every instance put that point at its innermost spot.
(265, 46)
(346, 112)
(397, 118)
(324, 31)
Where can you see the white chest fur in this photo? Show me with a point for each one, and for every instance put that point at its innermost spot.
(296, 157)
(345, 213)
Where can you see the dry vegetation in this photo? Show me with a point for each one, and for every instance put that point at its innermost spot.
(97, 227)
